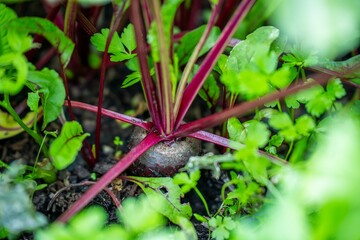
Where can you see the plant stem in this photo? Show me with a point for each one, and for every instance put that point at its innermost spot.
(224, 142)
(202, 200)
(70, 18)
(7, 105)
(38, 154)
(193, 88)
(194, 56)
(86, 24)
(118, 116)
(290, 149)
(146, 79)
(228, 184)
(114, 26)
(146, 14)
(165, 81)
(150, 140)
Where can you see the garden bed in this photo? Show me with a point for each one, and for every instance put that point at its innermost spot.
(179, 119)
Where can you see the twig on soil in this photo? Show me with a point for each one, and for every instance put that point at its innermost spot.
(86, 183)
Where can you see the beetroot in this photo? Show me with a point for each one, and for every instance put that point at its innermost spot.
(165, 158)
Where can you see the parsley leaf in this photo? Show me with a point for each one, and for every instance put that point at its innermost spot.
(302, 127)
(120, 48)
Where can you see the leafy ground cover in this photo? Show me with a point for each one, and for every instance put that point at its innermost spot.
(248, 130)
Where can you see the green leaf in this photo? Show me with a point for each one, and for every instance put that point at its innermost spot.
(133, 65)
(13, 73)
(291, 102)
(33, 101)
(99, 41)
(120, 56)
(257, 166)
(319, 104)
(188, 181)
(19, 41)
(304, 125)
(44, 27)
(215, 221)
(229, 223)
(120, 48)
(128, 38)
(189, 41)
(235, 130)
(251, 65)
(172, 208)
(136, 76)
(128, 44)
(64, 148)
(248, 83)
(300, 148)
(93, 219)
(271, 149)
(88, 224)
(221, 64)
(117, 141)
(250, 70)
(276, 140)
(335, 89)
(309, 94)
(280, 121)
(200, 218)
(146, 209)
(283, 122)
(210, 91)
(13, 65)
(6, 16)
(220, 233)
(282, 77)
(257, 134)
(256, 44)
(152, 39)
(289, 133)
(222, 227)
(168, 11)
(265, 113)
(50, 85)
(131, 79)
(174, 75)
(317, 100)
(292, 60)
